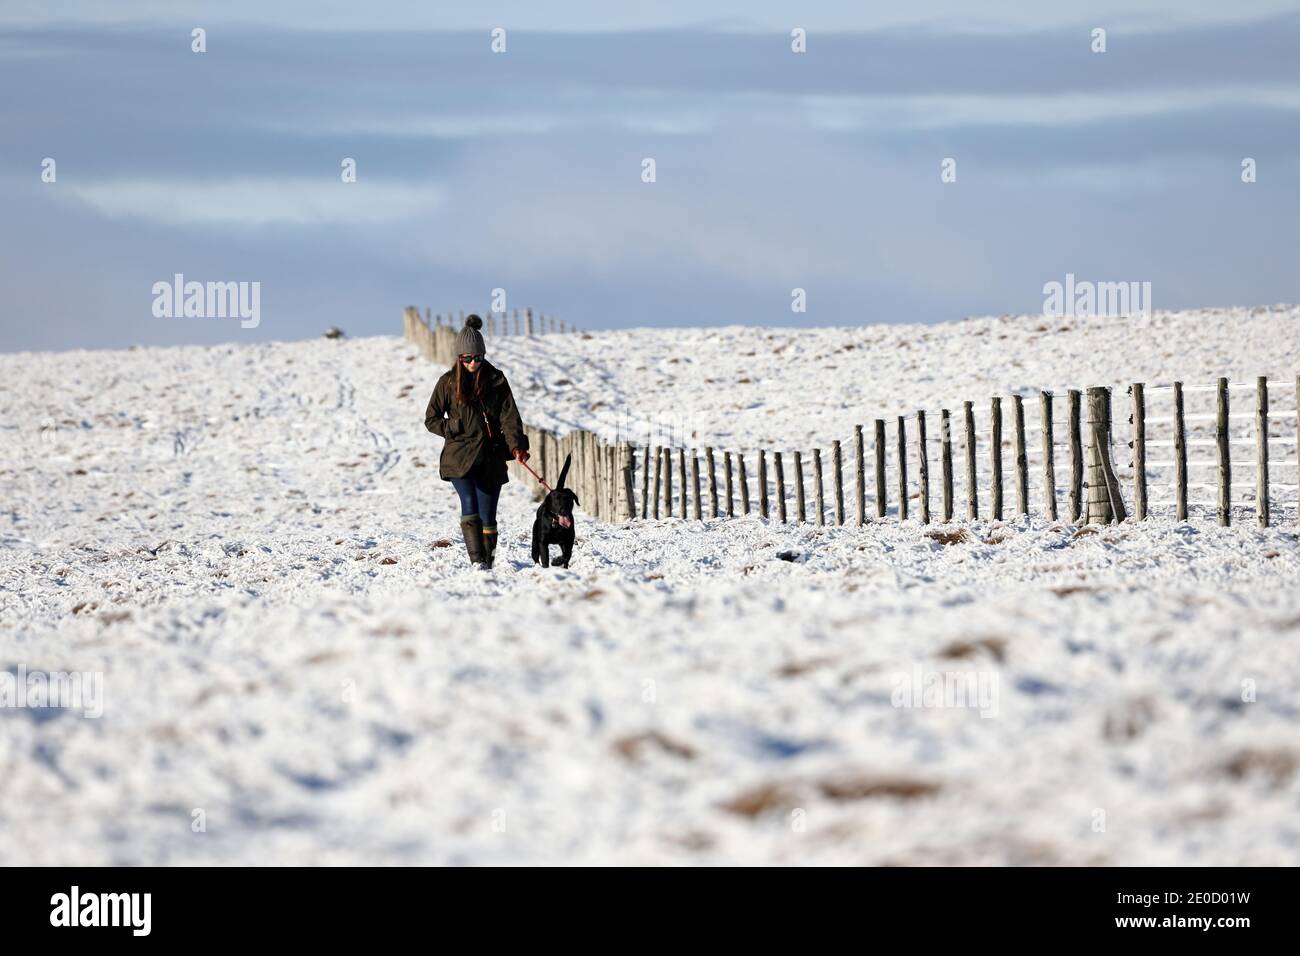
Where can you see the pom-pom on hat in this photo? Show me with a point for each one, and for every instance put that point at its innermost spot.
(469, 340)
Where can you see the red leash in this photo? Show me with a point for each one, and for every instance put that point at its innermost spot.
(536, 475)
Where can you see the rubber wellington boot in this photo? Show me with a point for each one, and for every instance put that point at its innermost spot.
(471, 527)
(490, 545)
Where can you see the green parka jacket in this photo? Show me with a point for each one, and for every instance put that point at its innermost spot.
(464, 431)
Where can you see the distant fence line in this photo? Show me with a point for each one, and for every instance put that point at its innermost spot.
(621, 481)
(494, 323)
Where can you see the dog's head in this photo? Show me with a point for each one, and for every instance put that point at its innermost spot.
(559, 506)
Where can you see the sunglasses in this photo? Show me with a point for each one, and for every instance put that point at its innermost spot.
(469, 359)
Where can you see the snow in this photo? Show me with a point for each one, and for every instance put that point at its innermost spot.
(245, 541)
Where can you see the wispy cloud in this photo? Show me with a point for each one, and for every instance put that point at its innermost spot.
(254, 202)
(1062, 110)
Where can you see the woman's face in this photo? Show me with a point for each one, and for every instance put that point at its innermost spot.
(471, 362)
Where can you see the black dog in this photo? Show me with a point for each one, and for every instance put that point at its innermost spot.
(554, 523)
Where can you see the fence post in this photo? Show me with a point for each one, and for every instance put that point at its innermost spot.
(744, 482)
(1022, 460)
(613, 481)
(817, 484)
(659, 460)
(726, 470)
(902, 468)
(713, 482)
(695, 485)
(1076, 455)
(593, 473)
(800, 509)
(1261, 451)
(615, 457)
(1104, 500)
(668, 482)
(598, 461)
(859, 481)
(593, 488)
(995, 456)
(629, 457)
(1225, 462)
(1099, 509)
(576, 478)
(597, 474)
(762, 482)
(923, 467)
(945, 462)
(881, 502)
(580, 470)
(837, 474)
(681, 476)
(1180, 455)
(1049, 454)
(645, 482)
(1139, 452)
(780, 486)
(1112, 483)
(972, 486)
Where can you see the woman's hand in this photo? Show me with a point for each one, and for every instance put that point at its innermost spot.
(521, 456)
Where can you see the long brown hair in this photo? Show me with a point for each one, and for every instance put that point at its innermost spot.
(469, 385)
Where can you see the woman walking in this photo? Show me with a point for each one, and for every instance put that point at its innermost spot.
(474, 411)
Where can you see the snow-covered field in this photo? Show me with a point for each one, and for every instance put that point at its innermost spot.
(252, 546)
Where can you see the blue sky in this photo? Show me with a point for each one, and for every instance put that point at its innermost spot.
(522, 170)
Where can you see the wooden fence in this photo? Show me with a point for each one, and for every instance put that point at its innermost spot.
(494, 323)
(619, 481)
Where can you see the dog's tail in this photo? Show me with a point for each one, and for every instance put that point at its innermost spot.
(564, 471)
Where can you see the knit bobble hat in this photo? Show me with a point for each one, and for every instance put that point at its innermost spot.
(469, 340)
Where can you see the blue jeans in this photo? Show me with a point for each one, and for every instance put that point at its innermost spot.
(478, 497)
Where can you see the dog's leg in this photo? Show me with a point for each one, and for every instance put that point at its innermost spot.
(546, 554)
(536, 545)
(567, 548)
